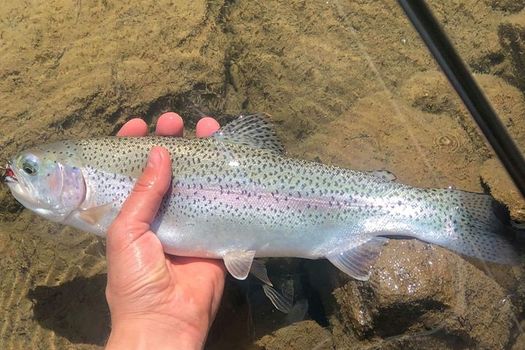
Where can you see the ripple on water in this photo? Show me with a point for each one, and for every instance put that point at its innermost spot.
(447, 142)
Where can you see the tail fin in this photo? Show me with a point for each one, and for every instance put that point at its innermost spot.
(477, 227)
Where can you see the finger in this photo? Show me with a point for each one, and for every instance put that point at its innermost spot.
(206, 127)
(134, 127)
(139, 210)
(170, 124)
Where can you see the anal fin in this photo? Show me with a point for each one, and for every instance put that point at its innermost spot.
(356, 262)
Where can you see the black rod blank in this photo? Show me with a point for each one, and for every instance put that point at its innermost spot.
(459, 76)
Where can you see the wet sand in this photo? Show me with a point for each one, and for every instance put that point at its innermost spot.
(347, 83)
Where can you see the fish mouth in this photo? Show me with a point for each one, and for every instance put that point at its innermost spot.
(9, 175)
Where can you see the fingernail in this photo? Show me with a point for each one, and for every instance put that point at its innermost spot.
(206, 126)
(154, 158)
(169, 124)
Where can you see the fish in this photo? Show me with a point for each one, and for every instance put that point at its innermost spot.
(237, 196)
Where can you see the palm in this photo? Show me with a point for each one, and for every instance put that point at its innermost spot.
(154, 283)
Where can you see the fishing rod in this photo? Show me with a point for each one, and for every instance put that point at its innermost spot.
(471, 94)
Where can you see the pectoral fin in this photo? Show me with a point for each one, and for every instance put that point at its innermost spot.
(239, 262)
(94, 215)
(356, 262)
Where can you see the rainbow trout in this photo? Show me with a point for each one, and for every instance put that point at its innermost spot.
(236, 196)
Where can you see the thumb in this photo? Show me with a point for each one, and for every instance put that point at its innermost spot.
(140, 209)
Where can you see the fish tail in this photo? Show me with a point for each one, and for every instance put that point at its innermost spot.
(471, 224)
(476, 225)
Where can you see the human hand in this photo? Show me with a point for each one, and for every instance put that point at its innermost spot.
(157, 300)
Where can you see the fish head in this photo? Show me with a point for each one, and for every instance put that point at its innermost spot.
(45, 184)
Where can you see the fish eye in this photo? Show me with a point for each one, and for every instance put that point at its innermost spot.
(29, 167)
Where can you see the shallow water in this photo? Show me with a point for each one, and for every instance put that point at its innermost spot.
(347, 83)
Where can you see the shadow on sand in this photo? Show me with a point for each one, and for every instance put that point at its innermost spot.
(76, 310)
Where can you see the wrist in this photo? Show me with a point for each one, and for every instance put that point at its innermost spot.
(146, 333)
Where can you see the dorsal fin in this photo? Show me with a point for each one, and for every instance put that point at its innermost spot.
(254, 130)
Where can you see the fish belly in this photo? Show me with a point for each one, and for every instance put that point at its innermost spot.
(215, 238)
